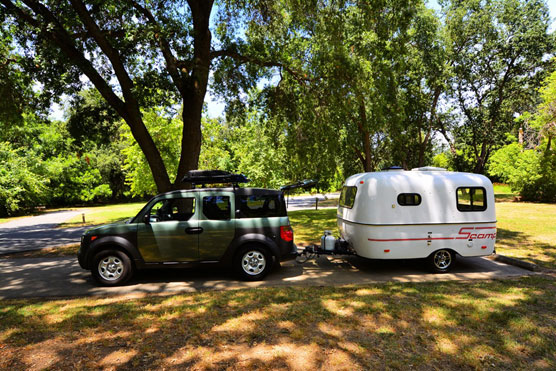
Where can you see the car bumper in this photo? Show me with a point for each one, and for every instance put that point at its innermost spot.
(292, 254)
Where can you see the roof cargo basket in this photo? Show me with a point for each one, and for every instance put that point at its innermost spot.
(196, 177)
(306, 184)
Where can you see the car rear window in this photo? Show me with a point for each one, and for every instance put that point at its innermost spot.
(347, 197)
(260, 206)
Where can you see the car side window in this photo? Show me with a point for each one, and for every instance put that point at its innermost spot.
(216, 207)
(175, 209)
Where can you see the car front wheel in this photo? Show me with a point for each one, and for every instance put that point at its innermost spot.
(252, 263)
(112, 268)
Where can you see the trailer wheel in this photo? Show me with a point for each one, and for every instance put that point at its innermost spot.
(253, 262)
(441, 261)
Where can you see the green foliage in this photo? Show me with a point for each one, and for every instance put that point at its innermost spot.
(21, 185)
(75, 180)
(530, 172)
(164, 129)
(41, 165)
(217, 145)
(498, 52)
(441, 160)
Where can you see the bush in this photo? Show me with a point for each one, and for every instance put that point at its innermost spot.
(531, 172)
(21, 185)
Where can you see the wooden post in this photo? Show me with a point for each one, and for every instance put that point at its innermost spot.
(83, 216)
(316, 203)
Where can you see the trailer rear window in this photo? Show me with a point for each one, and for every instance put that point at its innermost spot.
(409, 199)
(471, 199)
(347, 197)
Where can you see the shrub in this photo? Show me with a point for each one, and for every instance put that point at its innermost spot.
(531, 172)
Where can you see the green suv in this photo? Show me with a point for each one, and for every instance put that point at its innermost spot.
(247, 228)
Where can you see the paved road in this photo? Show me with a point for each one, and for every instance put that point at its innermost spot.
(308, 202)
(52, 277)
(38, 232)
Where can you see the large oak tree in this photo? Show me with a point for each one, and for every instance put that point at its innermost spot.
(138, 54)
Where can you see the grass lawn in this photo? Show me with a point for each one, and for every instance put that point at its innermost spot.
(527, 231)
(503, 193)
(309, 225)
(104, 214)
(450, 326)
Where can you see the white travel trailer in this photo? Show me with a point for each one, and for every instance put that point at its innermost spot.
(424, 213)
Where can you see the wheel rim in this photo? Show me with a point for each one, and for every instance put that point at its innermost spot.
(253, 262)
(442, 259)
(111, 268)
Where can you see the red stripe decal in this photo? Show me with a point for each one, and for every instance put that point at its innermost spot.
(409, 239)
(485, 227)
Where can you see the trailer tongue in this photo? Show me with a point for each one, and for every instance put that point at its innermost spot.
(330, 245)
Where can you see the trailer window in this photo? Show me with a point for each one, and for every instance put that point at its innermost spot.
(471, 199)
(409, 199)
(347, 197)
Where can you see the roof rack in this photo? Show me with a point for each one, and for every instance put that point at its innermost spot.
(196, 177)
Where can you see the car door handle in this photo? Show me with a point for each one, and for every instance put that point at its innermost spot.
(192, 230)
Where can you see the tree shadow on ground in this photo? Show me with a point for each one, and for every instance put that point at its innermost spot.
(522, 246)
(499, 324)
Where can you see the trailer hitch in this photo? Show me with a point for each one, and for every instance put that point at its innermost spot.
(314, 251)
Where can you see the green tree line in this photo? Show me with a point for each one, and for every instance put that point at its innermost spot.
(313, 89)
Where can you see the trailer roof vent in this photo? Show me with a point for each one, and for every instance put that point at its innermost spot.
(392, 168)
(428, 168)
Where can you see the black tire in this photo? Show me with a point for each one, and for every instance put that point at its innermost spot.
(441, 261)
(112, 268)
(253, 262)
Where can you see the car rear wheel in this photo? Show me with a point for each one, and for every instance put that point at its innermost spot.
(253, 262)
(441, 261)
(112, 268)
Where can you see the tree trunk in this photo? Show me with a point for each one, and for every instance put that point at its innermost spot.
(365, 136)
(481, 159)
(195, 89)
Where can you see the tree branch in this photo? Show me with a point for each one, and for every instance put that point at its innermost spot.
(60, 37)
(300, 77)
(172, 64)
(115, 59)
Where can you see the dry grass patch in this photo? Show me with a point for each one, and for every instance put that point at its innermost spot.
(49, 252)
(499, 324)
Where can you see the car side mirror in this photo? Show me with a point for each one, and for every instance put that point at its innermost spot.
(147, 219)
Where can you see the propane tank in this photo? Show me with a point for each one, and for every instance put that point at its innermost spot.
(327, 242)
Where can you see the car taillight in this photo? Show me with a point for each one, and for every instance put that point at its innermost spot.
(286, 233)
